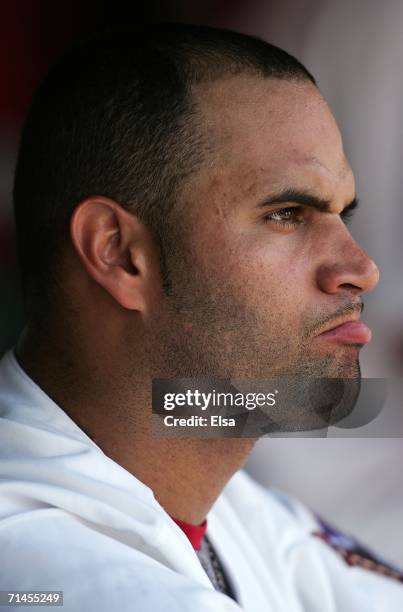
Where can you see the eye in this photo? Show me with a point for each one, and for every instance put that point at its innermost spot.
(347, 215)
(286, 217)
(349, 211)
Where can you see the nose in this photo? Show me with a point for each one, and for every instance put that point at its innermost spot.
(352, 271)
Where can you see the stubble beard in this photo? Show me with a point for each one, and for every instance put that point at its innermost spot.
(216, 333)
(208, 330)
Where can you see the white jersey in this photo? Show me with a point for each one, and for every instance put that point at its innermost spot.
(73, 520)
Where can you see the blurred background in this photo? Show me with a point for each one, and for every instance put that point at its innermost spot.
(354, 49)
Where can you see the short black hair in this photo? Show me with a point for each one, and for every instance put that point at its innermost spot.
(115, 117)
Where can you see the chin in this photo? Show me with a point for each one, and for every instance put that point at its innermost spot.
(330, 366)
(348, 368)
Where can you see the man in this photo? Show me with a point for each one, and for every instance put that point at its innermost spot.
(180, 204)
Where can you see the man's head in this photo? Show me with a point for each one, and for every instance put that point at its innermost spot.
(183, 191)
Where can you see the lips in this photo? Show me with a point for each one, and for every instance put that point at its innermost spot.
(350, 332)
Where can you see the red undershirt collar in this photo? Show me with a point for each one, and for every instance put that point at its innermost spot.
(194, 533)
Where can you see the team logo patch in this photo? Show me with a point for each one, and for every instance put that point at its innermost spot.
(354, 553)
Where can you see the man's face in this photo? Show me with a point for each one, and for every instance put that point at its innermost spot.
(260, 270)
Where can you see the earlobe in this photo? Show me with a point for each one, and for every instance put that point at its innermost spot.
(111, 244)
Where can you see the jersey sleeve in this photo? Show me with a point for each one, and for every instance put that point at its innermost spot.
(326, 569)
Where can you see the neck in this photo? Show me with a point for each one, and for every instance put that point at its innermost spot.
(113, 407)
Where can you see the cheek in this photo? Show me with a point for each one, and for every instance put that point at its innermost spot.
(280, 271)
(214, 253)
(271, 276)
(274, 286)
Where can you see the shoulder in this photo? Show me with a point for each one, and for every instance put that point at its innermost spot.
(310, 550)
(96, 572)
(249, 499)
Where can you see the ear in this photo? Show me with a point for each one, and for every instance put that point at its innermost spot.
(117, 250)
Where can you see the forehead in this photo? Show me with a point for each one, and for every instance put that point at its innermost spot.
(268, 133)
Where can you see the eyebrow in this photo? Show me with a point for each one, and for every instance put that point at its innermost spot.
(305, 199)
